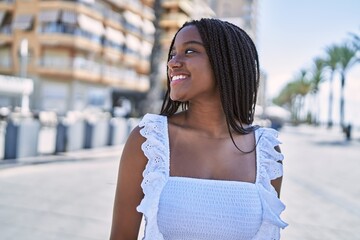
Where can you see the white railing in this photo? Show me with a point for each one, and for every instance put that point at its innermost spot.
(76, 63)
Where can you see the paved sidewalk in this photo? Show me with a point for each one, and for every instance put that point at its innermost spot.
(72, 198)
(94, 153)
(320, 190)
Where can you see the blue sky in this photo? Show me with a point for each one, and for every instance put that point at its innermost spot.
(291, 33)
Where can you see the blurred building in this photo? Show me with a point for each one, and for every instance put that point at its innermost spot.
(79, 53)
(243, 13)
(177, 12)
(82, 53)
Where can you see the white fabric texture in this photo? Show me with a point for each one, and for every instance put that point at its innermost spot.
(203, 209)
(157, 181)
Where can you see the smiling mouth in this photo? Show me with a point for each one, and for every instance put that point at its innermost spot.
(178, 77)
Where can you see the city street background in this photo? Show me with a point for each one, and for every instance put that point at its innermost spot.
(71, 196)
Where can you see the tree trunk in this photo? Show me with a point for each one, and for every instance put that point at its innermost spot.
(331, 97)
(342, 101)
(153, 97)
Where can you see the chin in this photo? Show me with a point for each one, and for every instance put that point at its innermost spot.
(178, 98)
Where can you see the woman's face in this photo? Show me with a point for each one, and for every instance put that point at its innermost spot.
(190, 73)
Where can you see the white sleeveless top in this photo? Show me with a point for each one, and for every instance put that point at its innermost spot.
(183, 208)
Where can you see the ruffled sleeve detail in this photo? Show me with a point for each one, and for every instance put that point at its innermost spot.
(156, 173)
(269, 168)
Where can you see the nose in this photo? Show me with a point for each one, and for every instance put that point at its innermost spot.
(174, 62)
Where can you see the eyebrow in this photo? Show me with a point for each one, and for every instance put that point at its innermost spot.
(194, 42)
(190, 42)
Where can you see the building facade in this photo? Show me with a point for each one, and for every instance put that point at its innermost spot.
(77, 52)
(95, 53)
(243, 13)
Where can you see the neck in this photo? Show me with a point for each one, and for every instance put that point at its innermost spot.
(208, 119)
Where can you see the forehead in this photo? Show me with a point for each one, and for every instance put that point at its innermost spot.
(188, 33)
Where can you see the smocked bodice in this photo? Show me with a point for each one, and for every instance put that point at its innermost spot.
(201, 209)
(188, 208)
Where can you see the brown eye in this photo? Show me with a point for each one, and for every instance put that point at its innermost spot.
(188, 51)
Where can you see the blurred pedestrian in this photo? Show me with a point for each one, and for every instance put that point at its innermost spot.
(200, 169)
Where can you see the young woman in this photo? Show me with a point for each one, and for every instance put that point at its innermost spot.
(200, 170)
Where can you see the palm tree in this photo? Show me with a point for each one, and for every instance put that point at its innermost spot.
(347, 58)
(316, 79)
(292, 95)
(356, 41)
(302, 88)
(331, 62)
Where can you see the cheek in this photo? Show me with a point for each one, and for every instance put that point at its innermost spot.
(208, 74)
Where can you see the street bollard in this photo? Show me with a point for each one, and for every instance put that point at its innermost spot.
(96, 130)
(2, 138)
(118, 131)
(70, 133)
(47, 133)
(21, 138)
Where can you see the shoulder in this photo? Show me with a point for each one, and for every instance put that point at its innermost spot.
(268, 137)
(267, 131)
(151, 118)
(146, 127)
(132, 148)
(135, 137)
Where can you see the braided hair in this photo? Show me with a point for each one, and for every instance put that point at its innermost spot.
(234, 60)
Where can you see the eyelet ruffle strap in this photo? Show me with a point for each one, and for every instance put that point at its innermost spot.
(269, 169)
(156, 173)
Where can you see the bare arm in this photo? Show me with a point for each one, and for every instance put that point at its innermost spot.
(277, 182)
(126, 220)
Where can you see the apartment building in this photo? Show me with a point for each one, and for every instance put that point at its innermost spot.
(177, 12)
(243, 13)
(78, 53)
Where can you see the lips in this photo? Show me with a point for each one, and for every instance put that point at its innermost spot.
(177, 77)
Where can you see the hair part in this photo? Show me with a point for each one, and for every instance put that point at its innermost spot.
(235, 64)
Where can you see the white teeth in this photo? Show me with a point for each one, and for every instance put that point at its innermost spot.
(177, 77)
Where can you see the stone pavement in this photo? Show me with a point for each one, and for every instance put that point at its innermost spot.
(320, 185)
(71, 197)
(83, 154)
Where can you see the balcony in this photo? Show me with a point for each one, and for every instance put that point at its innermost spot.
(183, 5)
(114, 19)
(124, 78)
(6, 65)
(70, 68)
(133, 6)
(112, 51)
(69, 35)
(133, 23)
(173, 20)
(112, 76)
(148, 13)
(77, 6)
(7, 4)
(131, 79)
